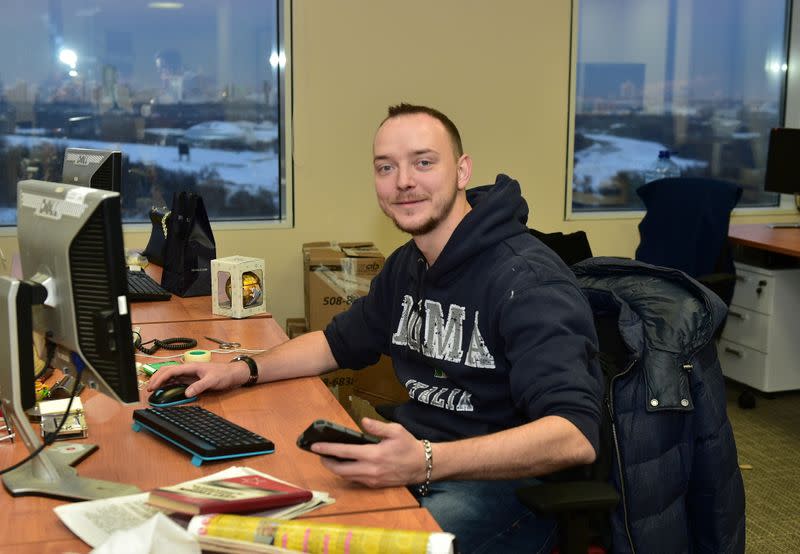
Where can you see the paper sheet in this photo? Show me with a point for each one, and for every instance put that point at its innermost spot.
(93, 521)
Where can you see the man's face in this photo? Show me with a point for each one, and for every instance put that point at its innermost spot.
(416, 172)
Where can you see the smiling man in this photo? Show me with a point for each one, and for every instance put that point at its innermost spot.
(487, 330)
(419, 172)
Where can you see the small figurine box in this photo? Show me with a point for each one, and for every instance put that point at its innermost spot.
(237, 287)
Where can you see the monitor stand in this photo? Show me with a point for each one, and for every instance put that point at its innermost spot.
(50, 473)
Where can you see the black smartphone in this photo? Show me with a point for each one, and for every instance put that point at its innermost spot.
(326, 431)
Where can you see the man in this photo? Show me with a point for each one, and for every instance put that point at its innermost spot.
(486, 328)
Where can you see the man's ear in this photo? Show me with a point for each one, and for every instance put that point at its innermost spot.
(464, 168)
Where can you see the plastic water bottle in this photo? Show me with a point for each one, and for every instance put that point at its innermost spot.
(662, 168)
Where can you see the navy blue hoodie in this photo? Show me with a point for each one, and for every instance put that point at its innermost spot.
(496, 333)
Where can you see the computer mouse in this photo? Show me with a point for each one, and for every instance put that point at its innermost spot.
(170, 395)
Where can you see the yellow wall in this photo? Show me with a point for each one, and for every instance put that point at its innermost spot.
(500, 70)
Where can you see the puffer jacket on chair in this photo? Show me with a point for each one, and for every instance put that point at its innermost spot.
(676, 466)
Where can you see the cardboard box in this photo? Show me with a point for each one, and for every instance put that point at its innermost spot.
(377, 383)
(336, 274)
(340, 382)
(295, 326)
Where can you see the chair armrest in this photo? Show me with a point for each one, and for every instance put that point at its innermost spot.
(557, 498)
(714, 279)
(721, 284)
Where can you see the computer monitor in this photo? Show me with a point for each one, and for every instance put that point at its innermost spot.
(783, 170)
(73, 290)
(99, 169)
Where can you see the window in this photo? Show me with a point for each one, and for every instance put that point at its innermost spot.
(191, 92)
(702, 79)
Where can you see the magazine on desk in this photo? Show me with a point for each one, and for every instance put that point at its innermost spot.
(94, 521)
(237, 533)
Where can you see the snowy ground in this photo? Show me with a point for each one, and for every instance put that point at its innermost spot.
(597, 165)
(246, 170)
(240, 170)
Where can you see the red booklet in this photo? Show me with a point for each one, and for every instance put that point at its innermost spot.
(248, 493)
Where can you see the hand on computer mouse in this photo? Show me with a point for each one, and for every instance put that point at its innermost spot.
(171, 394)
(201, 376)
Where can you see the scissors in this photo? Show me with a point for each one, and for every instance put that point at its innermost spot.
(225, 345)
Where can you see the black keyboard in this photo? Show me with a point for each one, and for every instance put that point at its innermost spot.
(143, 288)
(203, 434)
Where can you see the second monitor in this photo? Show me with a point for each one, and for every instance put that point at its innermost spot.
(99, 169)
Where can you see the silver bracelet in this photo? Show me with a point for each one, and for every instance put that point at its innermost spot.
(424, 488)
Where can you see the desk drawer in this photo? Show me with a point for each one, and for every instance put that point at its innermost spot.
(747, 327)
(754, 291)
(743, 364)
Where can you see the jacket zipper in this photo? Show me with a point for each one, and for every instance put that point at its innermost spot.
(610, 406)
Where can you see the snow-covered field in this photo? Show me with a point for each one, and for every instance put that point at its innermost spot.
(597, 165)
(245, 170)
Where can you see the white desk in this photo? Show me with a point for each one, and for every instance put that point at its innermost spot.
(760, 345)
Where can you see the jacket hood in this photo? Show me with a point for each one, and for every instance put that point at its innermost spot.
(498, 213)
(666, 317)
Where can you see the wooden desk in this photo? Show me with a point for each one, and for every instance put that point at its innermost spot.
(253, 334)
(409, 518)
(279, 411)
(194, 308)
(763, 237)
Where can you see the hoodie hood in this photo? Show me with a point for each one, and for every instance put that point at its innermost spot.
(498, 213)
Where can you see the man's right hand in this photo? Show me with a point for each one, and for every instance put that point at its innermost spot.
(202, 376)
(305, 356)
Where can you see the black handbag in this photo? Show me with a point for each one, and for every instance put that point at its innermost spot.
(154, 251)
(189, 247)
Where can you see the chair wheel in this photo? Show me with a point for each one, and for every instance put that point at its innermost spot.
(747, 400)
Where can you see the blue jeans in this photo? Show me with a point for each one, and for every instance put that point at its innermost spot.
(485, 516)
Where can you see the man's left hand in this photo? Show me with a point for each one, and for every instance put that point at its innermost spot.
(399, 459)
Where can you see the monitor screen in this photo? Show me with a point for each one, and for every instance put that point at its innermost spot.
(783, 167)
(99, 169)
(70, 241)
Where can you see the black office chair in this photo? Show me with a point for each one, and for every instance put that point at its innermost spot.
(686, 228)
(571, 248)
(582, 499)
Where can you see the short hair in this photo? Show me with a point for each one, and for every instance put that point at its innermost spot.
(450, 127)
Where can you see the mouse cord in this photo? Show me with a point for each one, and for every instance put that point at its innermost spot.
(176, 343)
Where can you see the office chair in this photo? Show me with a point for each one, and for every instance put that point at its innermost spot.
(571, 248)
(672, 451)
(582, 499)
(686, 228)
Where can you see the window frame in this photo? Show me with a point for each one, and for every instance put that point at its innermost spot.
(286, 171)
(286, 165)
(791, 118)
